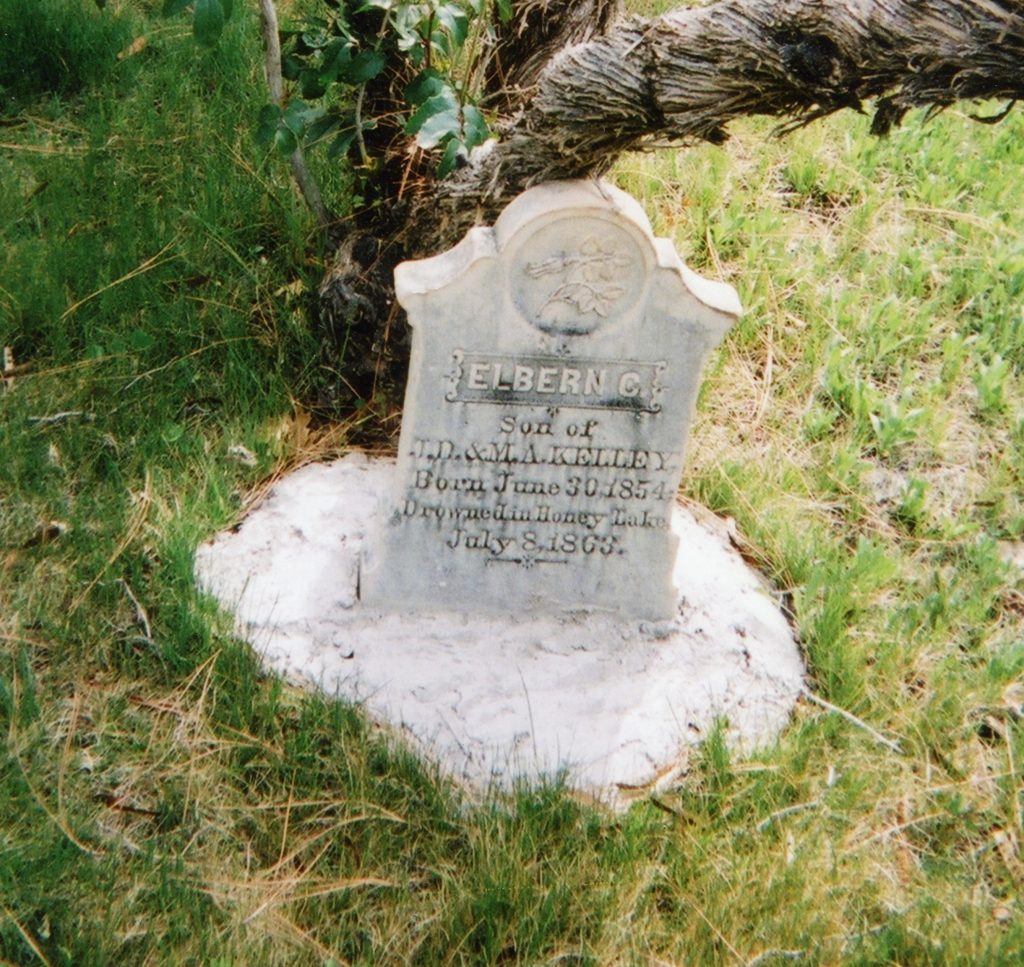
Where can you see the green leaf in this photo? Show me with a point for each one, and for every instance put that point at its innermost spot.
(452, 151)
(406, 20)
(315, 39)
(142, 340)
(267, 124)
(444, 102)
(311, 85)
(298, 116)
(455, 21)
(474, 126)
(438, 128)
(441, 41)
(365, 66)
(426, 84)
(341, 143)
(322, 128)
(285, 141)
(228, 6)
(172, 7)
(337, 55)
(172, 432)
(292, 67)
(208, 22)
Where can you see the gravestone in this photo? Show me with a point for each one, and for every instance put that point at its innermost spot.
(528, 599)
(555, 366)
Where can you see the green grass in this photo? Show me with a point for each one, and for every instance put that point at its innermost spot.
(162, 800)
(56, 47)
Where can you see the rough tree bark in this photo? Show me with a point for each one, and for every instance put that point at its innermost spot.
(526, 43)
(586, 97)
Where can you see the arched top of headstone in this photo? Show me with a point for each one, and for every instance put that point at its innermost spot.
(577, 256)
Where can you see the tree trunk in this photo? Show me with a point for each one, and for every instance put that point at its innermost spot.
(682, 78)
(532, 36)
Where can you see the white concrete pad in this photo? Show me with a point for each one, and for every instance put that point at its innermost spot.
(616, 705)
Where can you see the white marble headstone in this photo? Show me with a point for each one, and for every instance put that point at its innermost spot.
(555, 366)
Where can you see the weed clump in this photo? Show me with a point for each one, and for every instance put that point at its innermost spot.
(56, 47)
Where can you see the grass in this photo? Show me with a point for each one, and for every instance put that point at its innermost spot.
(61, 46)
(165, 801)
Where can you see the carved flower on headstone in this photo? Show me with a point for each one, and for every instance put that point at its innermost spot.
(592, 276)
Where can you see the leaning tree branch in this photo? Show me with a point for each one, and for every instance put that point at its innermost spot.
(684, 76)
(532, 36)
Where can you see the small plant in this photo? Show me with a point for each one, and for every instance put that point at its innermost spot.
(366, 76)
(911, 512)
(990, 381)
(846, 388)
(955, 350)
(803, 174)
(895, 424)
(819, 422)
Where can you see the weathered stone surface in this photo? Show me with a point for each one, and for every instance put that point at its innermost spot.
(613, 706)
(555, 366)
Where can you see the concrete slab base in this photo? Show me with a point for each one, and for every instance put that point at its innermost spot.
(616, 707)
